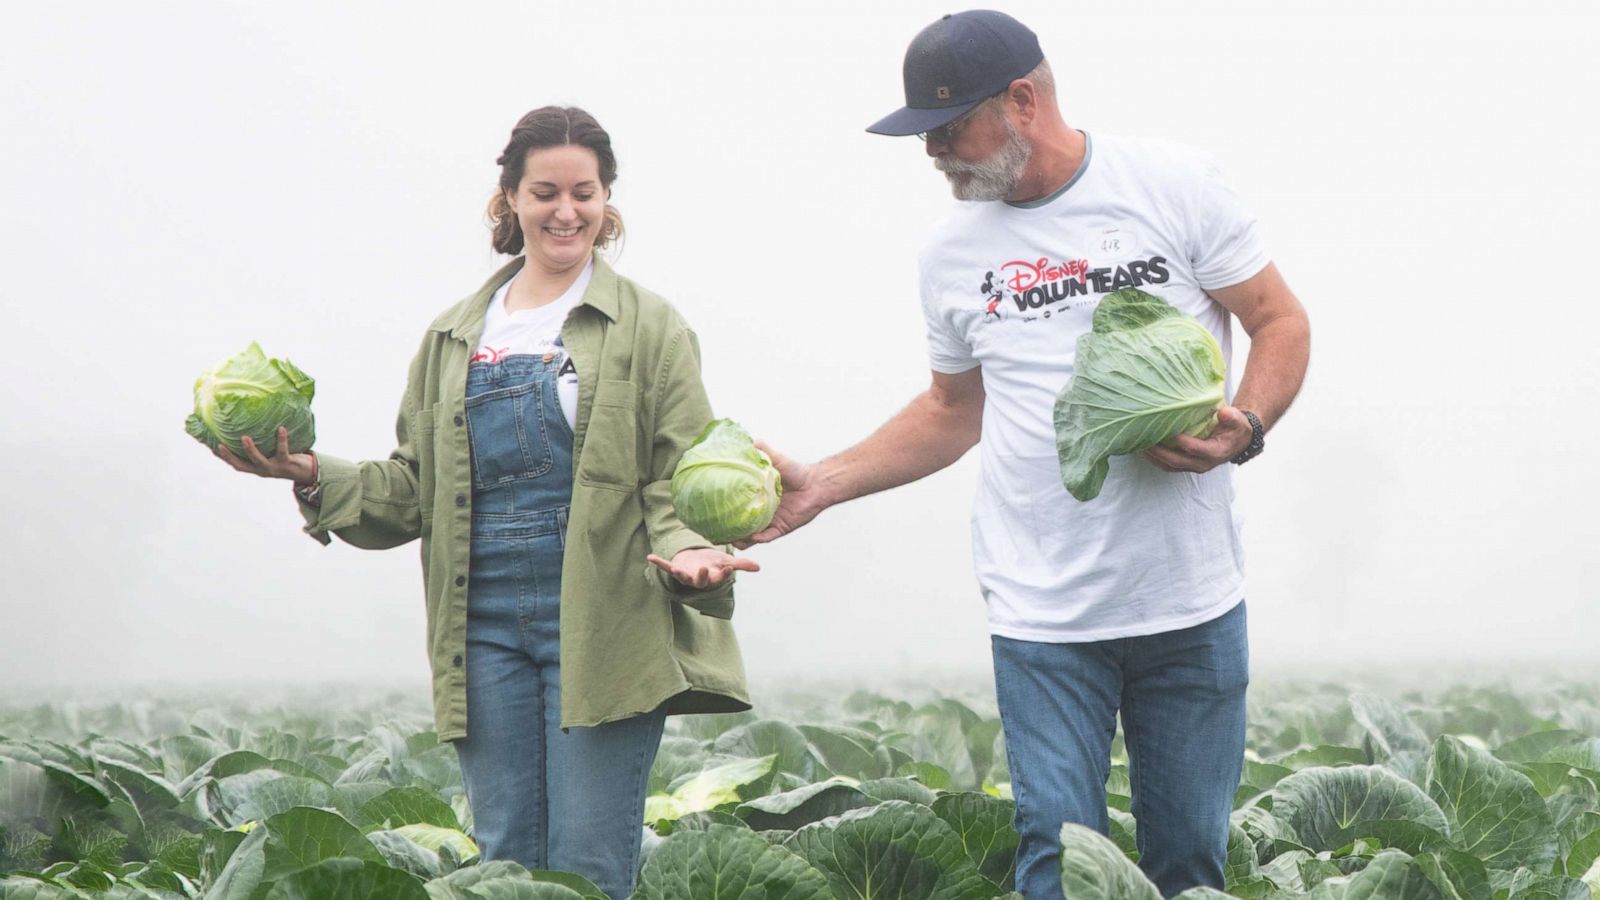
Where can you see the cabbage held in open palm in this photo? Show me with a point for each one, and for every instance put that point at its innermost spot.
(250, 394)
(724, 487)
(1144, 373)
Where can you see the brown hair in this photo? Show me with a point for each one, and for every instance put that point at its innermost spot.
(550, 126)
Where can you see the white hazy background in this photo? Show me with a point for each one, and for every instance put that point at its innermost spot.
(181, 178)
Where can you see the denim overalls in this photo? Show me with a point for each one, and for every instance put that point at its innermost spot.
(572, 801)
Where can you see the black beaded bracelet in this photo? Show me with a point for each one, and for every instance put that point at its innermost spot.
(1258, 440)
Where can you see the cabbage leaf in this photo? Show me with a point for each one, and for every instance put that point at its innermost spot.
(1144, 373)
(250, 394)
(725, 488)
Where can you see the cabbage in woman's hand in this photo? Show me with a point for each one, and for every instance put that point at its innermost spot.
(250, 394)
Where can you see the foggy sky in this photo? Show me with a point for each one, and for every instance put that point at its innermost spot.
(183, 178)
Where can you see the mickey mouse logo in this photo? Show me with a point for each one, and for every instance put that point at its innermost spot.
(992, 295)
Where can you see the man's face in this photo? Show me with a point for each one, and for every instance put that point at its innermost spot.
(985, 157)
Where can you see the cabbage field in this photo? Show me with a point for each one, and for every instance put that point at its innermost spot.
(1461, 794)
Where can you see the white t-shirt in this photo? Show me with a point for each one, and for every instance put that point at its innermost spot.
(1011, 288)
(535, 331)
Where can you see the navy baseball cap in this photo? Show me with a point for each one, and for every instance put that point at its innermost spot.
(957, 63)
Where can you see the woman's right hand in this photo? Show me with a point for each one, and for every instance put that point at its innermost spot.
(296, 467)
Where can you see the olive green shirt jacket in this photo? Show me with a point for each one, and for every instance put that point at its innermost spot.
(632, 638)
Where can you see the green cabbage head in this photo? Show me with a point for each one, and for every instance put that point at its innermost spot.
(724, 487)
(1144, 373)
(251, 394)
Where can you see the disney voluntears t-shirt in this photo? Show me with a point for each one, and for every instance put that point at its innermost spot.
(537, 332)
(1011, 287)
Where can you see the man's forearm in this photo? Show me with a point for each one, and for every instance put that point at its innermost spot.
(1280, 342)
(1279, 353)
(933, 431)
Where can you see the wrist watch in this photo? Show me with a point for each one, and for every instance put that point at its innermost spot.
(1258, 440)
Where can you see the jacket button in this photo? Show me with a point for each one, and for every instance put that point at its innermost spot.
(456, 662)
(461, 580)
(460, 421)
(461, 499)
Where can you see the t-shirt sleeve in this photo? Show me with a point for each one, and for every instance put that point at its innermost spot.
(948, 350)
(1224, 248)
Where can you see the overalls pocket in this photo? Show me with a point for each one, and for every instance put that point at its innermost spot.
(507, 432)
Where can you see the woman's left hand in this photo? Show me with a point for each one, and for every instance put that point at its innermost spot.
(703, 567)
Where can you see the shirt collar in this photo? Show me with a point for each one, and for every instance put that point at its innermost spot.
(467, 323)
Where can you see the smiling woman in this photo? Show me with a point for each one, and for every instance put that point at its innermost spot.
(559, 396)
(569, 188)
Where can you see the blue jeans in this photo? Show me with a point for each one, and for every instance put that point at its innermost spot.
(1181, 695)
(546, 798)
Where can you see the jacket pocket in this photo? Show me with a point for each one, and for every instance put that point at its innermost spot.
(422, 436)
(610, 445)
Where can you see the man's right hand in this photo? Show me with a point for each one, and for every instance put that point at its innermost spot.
(933, 431)
(802, 498)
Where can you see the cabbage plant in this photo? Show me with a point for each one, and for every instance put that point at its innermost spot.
(1144, 373)
(250, 394)
(724, 487)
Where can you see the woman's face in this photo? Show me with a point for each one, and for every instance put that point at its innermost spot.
(560, 206)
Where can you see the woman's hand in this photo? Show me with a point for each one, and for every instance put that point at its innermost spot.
(703, 567)
(296, 467)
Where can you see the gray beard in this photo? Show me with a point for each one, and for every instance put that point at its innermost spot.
(989, 179)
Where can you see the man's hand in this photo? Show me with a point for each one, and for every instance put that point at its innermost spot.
(703, 567)
(282, 464)
(933, 431)
(801, 501)
(1184, 453)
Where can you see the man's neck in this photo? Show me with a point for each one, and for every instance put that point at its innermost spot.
(1056, 158)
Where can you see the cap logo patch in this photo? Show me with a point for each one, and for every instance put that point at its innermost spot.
(942, 92)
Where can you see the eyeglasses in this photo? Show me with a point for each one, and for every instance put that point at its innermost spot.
(947, 132)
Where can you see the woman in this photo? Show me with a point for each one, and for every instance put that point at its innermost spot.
(569, 610)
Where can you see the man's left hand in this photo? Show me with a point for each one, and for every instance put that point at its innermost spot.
(1184, 453)
(705, 567)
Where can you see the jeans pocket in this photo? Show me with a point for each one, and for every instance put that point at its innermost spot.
(1229, 650)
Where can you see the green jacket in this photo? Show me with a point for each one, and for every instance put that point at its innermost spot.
(632, 638)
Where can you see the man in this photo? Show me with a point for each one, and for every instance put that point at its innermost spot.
(1131, 602)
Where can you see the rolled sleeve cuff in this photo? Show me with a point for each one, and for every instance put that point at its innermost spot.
(716, 602)
(339, 503)
(679, 540)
